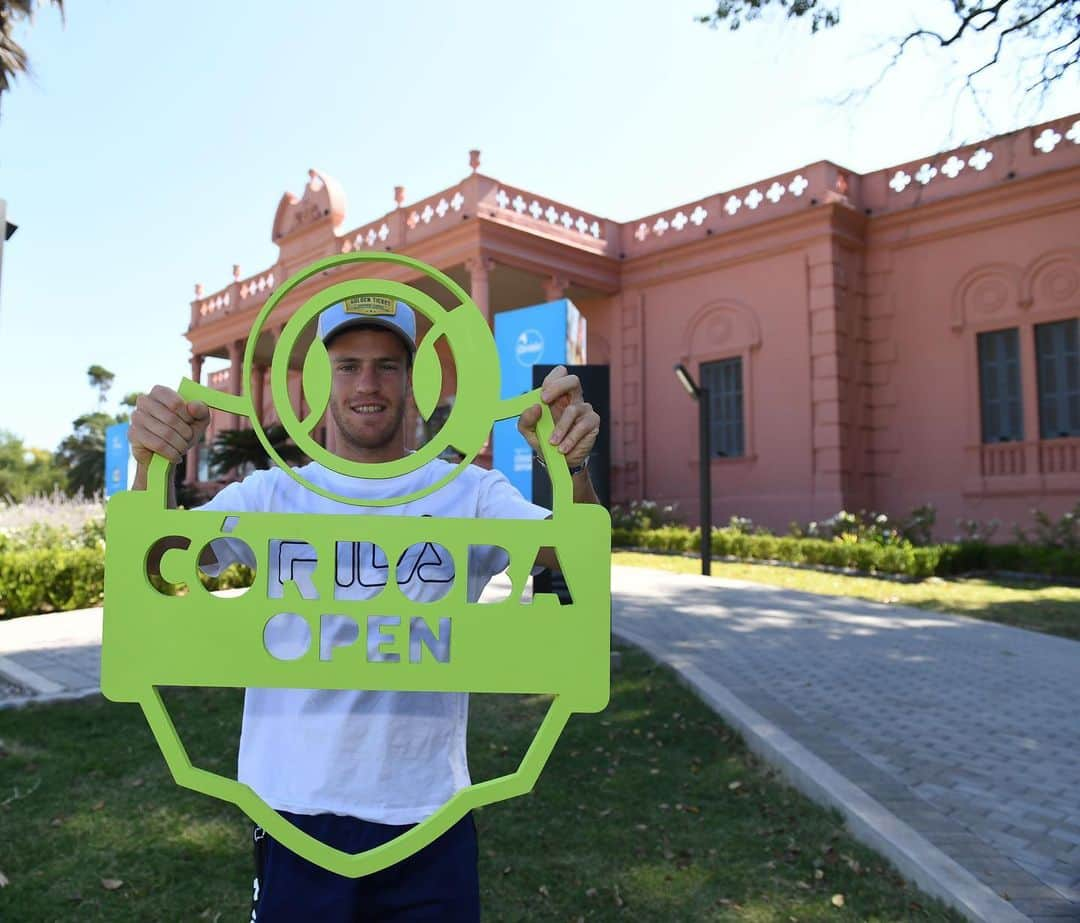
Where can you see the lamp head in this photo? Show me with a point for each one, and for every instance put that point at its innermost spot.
(687, 381)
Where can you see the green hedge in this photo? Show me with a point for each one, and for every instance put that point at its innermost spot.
(1034, 559)
(36, 580)
(902, 558)
(48, 579)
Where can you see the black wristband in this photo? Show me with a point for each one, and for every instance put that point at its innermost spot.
(577, 469)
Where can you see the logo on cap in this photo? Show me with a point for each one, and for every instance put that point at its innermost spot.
(370, 305)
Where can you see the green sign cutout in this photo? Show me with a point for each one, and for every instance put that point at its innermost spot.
(151, 639)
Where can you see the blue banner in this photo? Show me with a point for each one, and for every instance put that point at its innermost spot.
(117, 454)
(549, 333)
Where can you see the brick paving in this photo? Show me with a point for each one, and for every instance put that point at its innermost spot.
(967, 731)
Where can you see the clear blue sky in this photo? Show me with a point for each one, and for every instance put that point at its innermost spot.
(150, 147)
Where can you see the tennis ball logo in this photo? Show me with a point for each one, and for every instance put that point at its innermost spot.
(444, 643)
(463, 328)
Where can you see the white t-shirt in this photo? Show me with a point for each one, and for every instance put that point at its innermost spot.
(388, 757)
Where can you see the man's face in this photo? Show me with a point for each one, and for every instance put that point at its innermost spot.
(371, 381)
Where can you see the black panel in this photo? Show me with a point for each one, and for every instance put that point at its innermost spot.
(596, 386)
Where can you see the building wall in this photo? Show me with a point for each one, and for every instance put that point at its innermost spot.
(946, 290)
(756, 310)
(854, 302)
(860, 372)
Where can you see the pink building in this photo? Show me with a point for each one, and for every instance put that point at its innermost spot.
(875, 341)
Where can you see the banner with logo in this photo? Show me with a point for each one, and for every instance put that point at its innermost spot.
(549, 334)
(117, 453)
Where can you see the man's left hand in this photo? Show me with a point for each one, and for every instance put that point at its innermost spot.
(576, 423)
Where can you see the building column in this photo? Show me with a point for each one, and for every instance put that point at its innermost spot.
(555, 287)
(191, 473)
(258, 390)
(829, 385)
(1029, 396)
(628, 395)
(236, 374)
(479, 268)
(195, 315)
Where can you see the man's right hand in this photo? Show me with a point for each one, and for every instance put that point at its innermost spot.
(163, 423)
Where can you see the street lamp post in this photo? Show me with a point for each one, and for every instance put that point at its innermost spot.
(701, 395)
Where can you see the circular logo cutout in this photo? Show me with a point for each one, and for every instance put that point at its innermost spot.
(529, 347)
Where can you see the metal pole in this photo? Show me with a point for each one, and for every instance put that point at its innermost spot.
(706, 482)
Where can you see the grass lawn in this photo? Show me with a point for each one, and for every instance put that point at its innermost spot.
(652, 810)
(1025, 604)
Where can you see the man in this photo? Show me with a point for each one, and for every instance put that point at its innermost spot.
(357, 768)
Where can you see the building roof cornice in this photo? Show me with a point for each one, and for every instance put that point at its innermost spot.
(309, 226)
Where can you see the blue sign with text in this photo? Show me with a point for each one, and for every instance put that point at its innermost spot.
(117, 453)
(550, 333)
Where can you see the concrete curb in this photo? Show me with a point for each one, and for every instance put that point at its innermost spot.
(28, 679)
(871, 822)
(67, 695)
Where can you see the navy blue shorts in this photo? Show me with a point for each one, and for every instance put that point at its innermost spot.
(438, 883)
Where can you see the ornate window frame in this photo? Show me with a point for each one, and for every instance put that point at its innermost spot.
(725, 329)
(997, 296)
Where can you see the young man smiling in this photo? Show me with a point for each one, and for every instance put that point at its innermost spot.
(355, 768)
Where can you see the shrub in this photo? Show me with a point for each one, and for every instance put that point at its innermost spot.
(925, 561)
(848, 551)
(853, 527)
(50, 579)
(918, 528)
(643, 514)
(765, 547)
(790, 549)
(975, 532)
(1050, 533)
(233, 576)
(669, 538)
(897, 559)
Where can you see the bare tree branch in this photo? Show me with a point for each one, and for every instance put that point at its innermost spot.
(1046, 79)
(1010, 21)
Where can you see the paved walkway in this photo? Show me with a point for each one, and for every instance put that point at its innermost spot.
(952, 746)
(52, 656)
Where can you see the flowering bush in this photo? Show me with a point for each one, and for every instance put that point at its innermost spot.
(854, 528)
(54, 511)
(871, 543)
(52, 557)
(973, 530)
(1048, 533)
(643, 514)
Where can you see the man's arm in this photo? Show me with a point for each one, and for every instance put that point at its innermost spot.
(577, 425)
(584, 492)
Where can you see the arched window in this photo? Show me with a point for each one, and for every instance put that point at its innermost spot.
(720, 340)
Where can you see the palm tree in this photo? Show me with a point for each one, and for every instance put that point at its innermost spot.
(240, 449)
(12, 56)
(82, 454)
(102, 379)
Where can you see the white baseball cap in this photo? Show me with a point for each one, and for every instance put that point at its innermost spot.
(369, 311)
